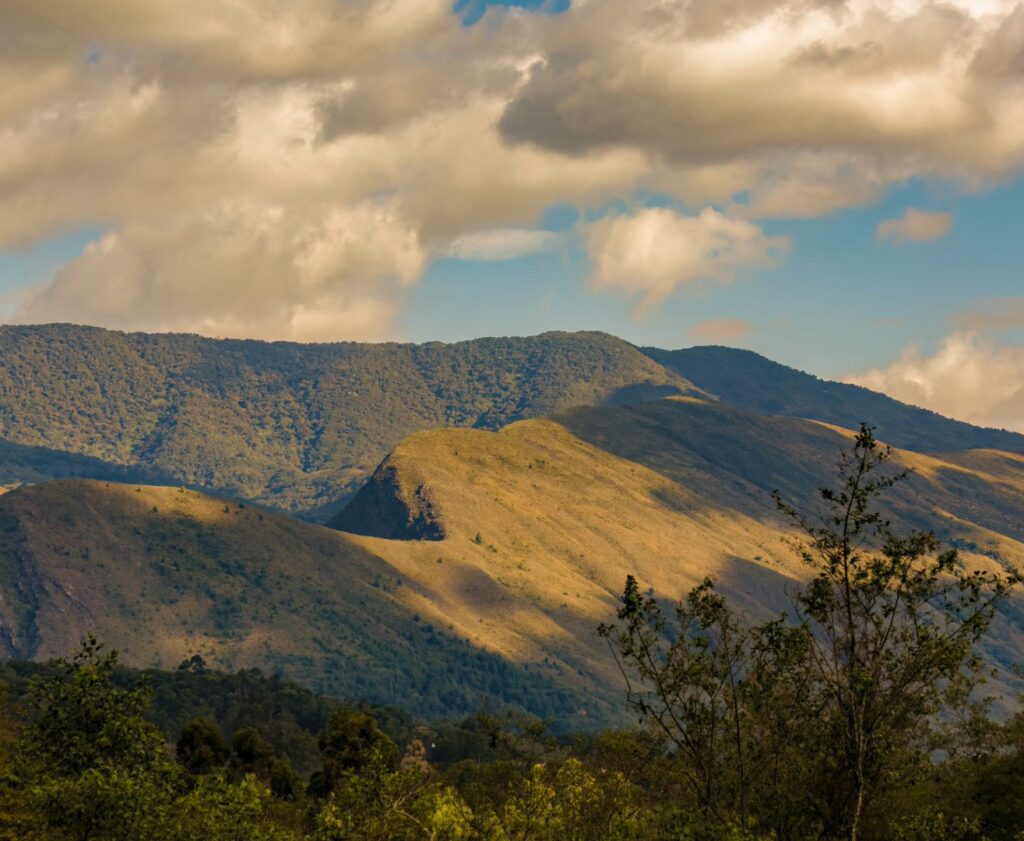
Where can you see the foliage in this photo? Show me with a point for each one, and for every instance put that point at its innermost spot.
(747, 379)
(296, 427)
(801, 725)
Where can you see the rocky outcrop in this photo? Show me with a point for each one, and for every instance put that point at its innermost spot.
(391, 506)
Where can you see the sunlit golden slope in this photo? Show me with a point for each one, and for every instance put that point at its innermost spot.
(543, 520)
(534, 529)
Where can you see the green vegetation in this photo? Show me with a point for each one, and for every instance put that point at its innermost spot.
(680, 487)
(296, 427)
(819, 724)
(300, 427)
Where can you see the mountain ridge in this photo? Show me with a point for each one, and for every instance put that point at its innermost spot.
(293, 426)
(753, 381)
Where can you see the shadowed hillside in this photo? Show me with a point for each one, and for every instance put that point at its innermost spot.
(550, 515)
(164, 573)
(294, 426)
(749, 380)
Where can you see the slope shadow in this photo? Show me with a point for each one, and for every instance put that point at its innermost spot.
(22, 462)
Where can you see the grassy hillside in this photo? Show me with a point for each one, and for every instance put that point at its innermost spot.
(550, 515)
(531, 531)
(164, 573)
(753, 382)
(294, 426)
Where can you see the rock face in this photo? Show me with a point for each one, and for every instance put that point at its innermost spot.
(391, 506)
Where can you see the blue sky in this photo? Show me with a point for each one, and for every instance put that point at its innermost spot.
(840, 302)
(667, 172)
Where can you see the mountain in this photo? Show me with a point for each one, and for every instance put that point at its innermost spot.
(747, 379)
(294, 426)
(484, 560)
(300, 427)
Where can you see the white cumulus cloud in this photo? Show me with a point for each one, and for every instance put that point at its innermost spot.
(969, 378)
(654, 250)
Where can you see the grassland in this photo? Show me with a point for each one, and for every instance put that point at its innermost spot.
(539, 525)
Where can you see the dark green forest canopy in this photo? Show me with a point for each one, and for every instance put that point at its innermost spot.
(750, 380)
(293, 426)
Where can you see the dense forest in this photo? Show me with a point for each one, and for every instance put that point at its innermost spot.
(293, 426)
(299, 427)
(859, 715)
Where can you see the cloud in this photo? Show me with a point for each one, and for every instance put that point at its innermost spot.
(969, 378)
(501, 244)
(654, 250)
(914, 226)
(821, 104)
(993, 314)
(243, 269)
(721, 330)
(295, 182)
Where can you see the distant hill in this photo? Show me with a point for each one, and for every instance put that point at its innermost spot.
(553, 513)
(754, 382)
(294, 426)
(300, 427)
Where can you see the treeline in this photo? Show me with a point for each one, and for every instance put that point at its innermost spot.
(79, 759)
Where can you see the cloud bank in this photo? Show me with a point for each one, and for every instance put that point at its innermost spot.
(969, 378)
(289, 170)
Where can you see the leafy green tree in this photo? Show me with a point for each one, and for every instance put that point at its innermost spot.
(81, 721)
(890, 620)
(285, 782)
(89, 766)
(251, 753)
(200, 747)
(351, 743)
(799, 725)
(686, 684)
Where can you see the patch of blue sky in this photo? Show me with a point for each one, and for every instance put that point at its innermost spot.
(472, 10)
(840, 302)
(33, 265)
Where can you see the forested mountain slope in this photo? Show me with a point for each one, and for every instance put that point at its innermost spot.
(524, 539)
(754, 382)
(294, 426)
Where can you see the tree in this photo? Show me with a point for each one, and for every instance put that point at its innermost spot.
(803, 720)
(252, 754)
(200, 747)
(80, 720)
(686, 685)
(890, 619)
(89, 766)
(350, 743)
